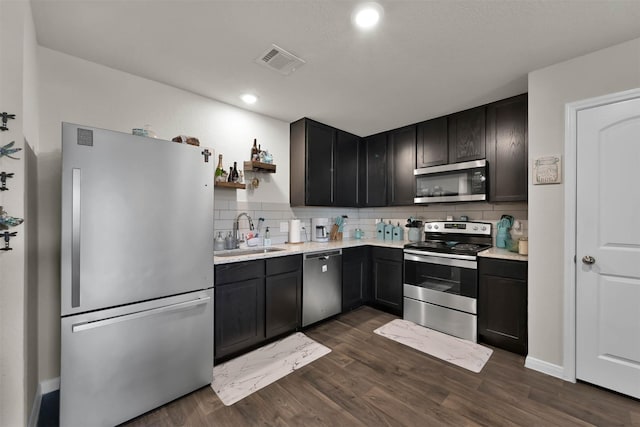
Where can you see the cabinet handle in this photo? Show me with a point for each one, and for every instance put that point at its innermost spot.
(79, 327)
(75, 237)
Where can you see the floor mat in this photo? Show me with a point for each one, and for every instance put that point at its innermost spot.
(465, 354)
(238, 378)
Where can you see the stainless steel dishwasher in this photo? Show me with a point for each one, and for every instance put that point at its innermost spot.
(321, 285)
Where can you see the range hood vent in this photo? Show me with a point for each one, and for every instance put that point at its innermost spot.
(278, 59)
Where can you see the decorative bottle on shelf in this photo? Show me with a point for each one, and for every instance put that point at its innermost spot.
(236, 176)
(260, 154)
(255, 153)
(230, 176)
(219, 170)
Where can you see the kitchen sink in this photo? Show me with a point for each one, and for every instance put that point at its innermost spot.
(246, 252)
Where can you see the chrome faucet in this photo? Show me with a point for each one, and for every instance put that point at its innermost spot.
(236, 227)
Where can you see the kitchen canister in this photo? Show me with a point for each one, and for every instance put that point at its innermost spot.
(523, 246)
(388, 231)
(414, 234)
(398, 232)
(380, 230)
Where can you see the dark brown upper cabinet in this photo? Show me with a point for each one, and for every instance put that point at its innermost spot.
(507, 149)
(311, 149)
(347, 169)
(467, 135)
(325, 165)
(432, 146)
(401, 152)
(373, 174)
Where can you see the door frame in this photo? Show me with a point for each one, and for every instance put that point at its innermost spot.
(570, 217)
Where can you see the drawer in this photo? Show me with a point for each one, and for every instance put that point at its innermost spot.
(391, 254)
(238, 271)
(502, 268)
(283, 264)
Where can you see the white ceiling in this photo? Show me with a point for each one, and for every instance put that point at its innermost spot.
(426, 59)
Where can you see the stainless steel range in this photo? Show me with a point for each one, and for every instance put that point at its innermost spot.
(441, 277)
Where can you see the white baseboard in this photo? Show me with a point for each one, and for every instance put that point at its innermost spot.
(35, 408)
(544, 367)
(48, 386)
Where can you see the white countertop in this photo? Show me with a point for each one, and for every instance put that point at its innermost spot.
(301, 248)
(503, 254)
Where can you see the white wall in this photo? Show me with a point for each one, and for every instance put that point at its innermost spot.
(606, 71)
(18, 92)
(78, 91)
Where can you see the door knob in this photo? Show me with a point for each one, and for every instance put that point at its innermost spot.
(588, 259)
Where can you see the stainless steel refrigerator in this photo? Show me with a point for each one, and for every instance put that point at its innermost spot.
(136, 274)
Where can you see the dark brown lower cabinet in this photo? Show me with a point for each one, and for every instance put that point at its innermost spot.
(283, 287)
(254, 302)
(502, 304)
(355, 277)
(239, 316)
(386, 272)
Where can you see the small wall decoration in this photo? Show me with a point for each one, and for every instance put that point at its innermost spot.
(547, 170)
(8, 151)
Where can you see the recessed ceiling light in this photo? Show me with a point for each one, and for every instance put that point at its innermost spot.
(367, 15)
(249, 98)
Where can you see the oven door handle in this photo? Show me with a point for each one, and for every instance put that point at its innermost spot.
(419, 256)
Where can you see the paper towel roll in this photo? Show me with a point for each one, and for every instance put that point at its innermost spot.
(294, 231)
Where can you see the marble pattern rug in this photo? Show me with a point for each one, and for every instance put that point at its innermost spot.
(238, 378)
(463, 353)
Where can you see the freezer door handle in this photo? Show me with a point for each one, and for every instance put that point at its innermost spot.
(75, 238)
(83, 326)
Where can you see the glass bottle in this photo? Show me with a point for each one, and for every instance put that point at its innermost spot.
(235, 177)
(255, 156)
(219, 168)
(230, 176)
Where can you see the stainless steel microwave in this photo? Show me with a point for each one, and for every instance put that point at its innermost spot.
(457, 182)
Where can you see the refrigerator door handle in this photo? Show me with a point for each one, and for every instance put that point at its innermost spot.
(83, 326)
(75, 238)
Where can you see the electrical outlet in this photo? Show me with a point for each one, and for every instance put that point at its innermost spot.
(284, 227)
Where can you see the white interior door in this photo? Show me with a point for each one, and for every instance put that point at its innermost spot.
(608, 247)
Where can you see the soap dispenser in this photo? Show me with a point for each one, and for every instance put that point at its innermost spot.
(388, 231)
(218, 243)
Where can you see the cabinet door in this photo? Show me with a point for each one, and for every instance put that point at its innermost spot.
(502, 304)
(507, 150)
(355, 277)
(347, 169)
(373, 176)
(432, 148)
(467, 135)
(282, 303)
(239, 316)
(387, 279)
(319, 164)
(402, 161)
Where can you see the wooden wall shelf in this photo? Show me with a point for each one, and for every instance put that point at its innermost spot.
(260, 167)
(230, 185)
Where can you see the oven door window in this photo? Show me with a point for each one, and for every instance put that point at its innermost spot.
(442, 278)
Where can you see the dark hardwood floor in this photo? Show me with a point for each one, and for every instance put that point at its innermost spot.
(368, 380)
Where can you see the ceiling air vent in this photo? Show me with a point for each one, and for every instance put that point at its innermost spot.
(280, 60)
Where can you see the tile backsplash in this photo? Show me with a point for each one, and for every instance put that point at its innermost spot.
(274, 214)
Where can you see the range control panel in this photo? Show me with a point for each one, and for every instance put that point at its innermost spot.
(458, 227)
